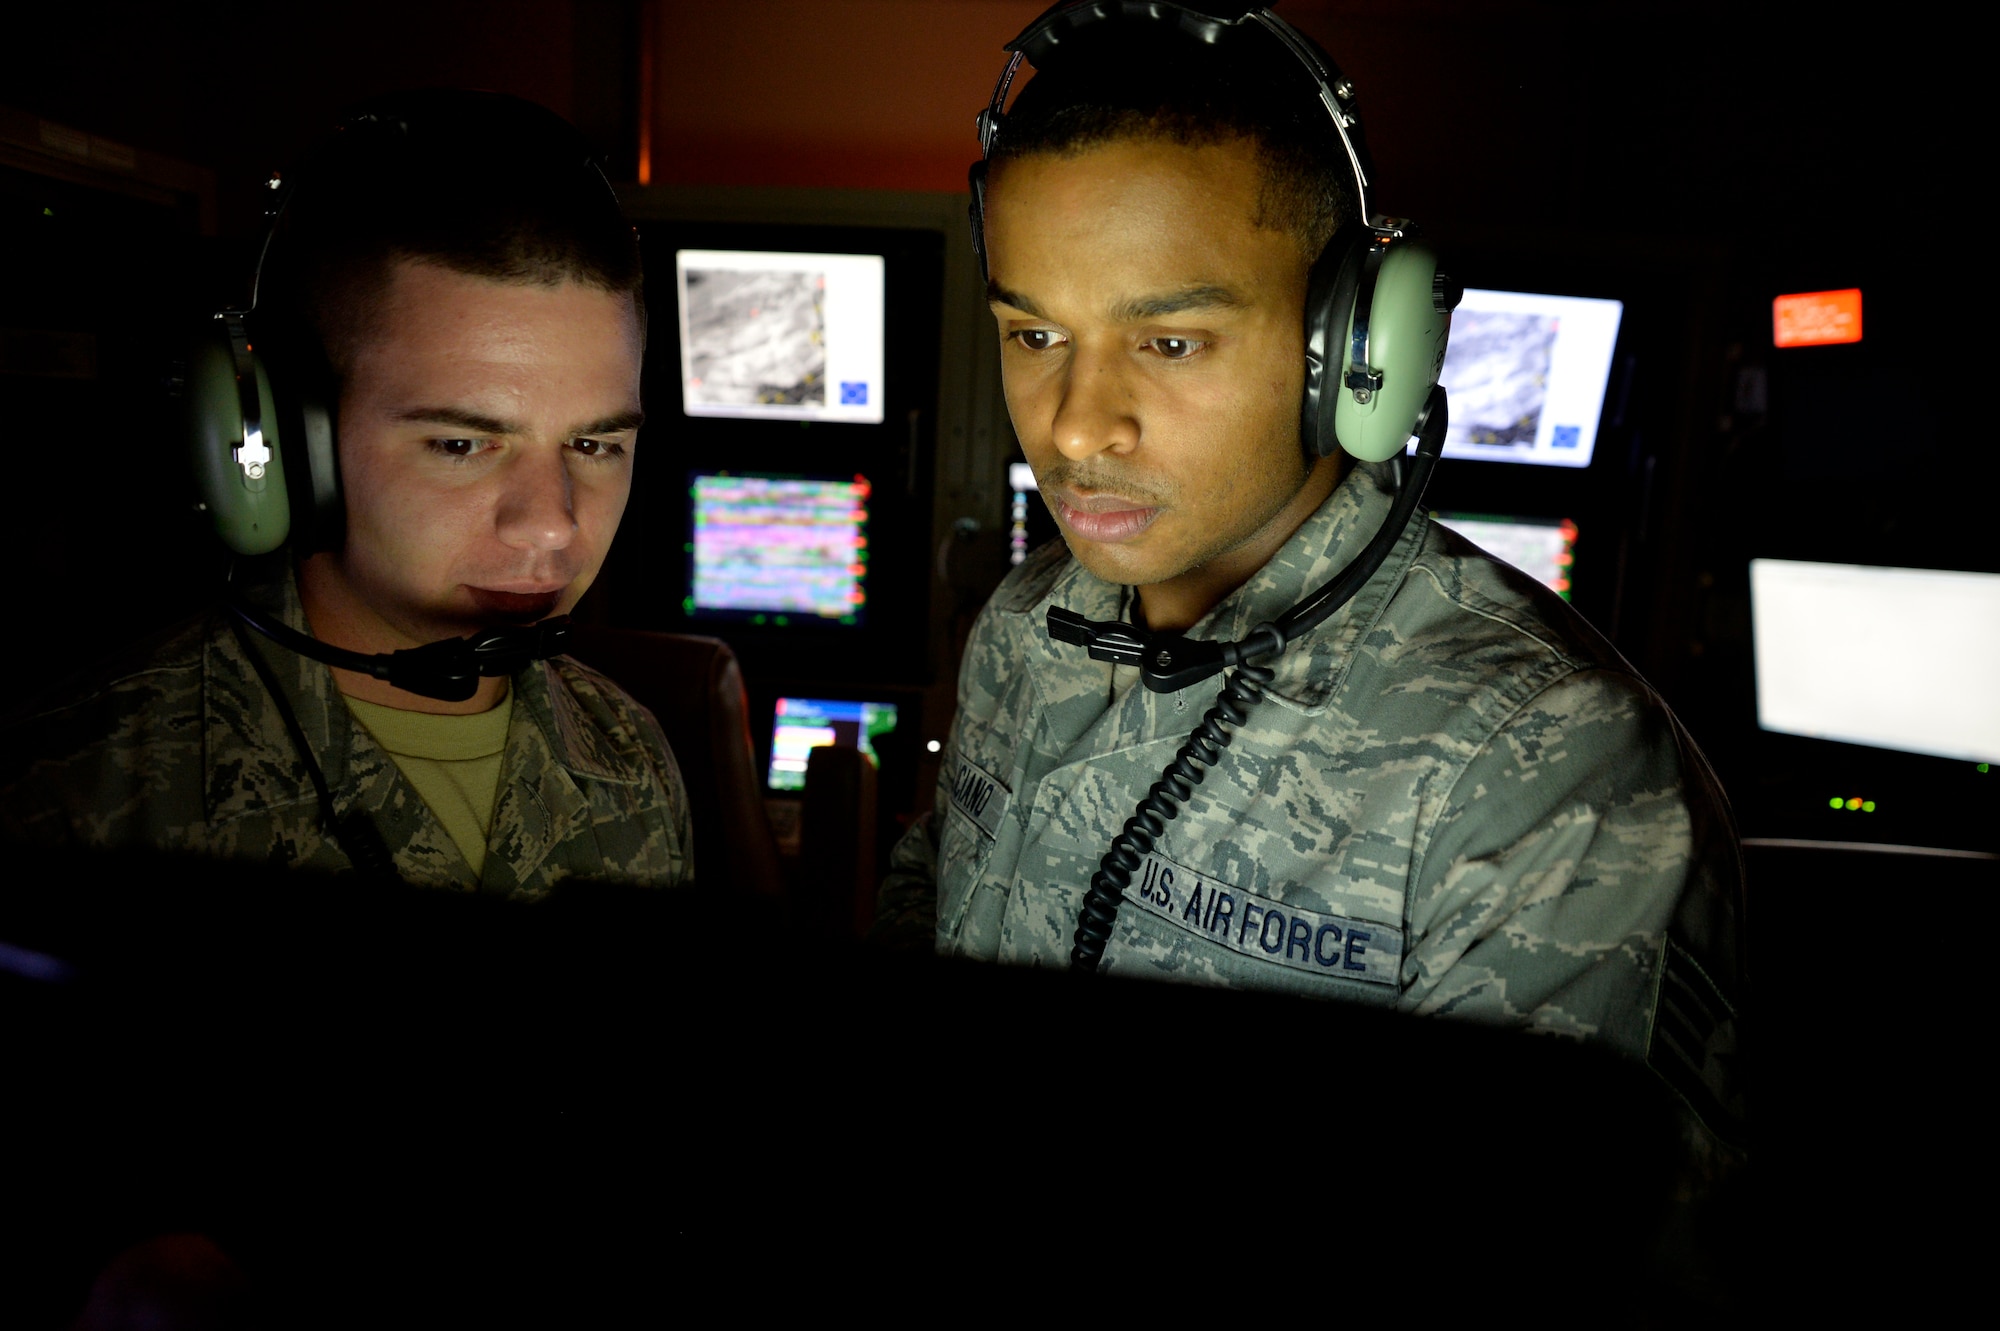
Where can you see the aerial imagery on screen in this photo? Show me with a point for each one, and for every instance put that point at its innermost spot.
(1527, 374)
(781, 336)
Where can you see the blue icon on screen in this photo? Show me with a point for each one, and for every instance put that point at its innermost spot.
(1566, 436)
(856, 395)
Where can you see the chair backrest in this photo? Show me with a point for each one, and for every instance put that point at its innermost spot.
(694, 688)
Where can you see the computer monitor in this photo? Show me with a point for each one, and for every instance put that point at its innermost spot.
(1542, 548)
(799, 370)
(781, 336)
(800, 725)
(1527, 375)
(770, 548)
(1894, 658)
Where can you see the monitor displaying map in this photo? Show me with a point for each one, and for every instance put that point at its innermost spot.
(1897, 658)
(779, 549)
(1526, 375)
(781, 336)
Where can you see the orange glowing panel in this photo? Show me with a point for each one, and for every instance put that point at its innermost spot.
(1817, 318)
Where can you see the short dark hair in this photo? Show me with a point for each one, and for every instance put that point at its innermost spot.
(1123, 79)
(477, 183)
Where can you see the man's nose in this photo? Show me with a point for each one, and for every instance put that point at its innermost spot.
(1095, 413)
(537, 503)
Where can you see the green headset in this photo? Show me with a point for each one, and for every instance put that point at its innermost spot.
(1377, 310)
(261, 401)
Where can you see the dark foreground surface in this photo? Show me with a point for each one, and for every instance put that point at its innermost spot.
(389, 1106)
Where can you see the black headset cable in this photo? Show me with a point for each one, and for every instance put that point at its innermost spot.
(1241, 690)
(356, 834)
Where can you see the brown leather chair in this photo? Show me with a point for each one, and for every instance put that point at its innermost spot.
(693, 686)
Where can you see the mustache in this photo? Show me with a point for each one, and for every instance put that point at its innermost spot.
(1151, 491)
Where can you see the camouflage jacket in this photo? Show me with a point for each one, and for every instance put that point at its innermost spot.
(179, 748)
(1455, 798)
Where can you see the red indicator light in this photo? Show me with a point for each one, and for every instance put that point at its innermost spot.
(1816, 318)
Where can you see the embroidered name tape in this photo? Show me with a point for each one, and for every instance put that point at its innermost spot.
(1268, 930)
(978, 795)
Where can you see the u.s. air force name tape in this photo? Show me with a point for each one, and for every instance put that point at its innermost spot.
(1268, 930)
(978, 795)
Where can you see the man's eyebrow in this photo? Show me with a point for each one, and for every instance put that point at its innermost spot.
(999, 295)
(459, 419)
(616, 423)
(1205, 297)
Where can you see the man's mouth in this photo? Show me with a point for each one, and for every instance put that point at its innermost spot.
(515, 607)
(1101, 517)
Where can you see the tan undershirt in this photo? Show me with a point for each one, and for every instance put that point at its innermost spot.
(453, 761)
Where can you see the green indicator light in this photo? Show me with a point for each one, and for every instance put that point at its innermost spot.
(687, 605)
(1854, 803)
(1836, 802)
(48, 212)
(783, 620)
(1984, 766)
(756, 619)
(1868, 806)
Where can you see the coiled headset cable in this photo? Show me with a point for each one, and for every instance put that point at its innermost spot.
(1169, 662)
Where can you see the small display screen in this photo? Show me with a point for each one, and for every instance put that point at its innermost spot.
(781, 336)
(768, 548)
(1526, 375)
(1816, 318)
(1897, 658)
(800, 725)
(1542, 548)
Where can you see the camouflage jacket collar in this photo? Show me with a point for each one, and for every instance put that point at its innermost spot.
(1312, 668)
(253, 766)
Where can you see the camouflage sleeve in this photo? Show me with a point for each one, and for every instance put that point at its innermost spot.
(1550, 873)
(906, 905)
(679, 820)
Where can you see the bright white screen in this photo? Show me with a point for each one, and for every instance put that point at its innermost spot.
(1898, 658)
(781, 336)
(1526, 376)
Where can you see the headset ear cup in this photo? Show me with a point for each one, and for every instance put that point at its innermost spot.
(1407, 334)
(308, 394)
(1329, 312)
(251, 516)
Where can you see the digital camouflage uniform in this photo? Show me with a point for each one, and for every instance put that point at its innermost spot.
(1456, 799)
(180, 749)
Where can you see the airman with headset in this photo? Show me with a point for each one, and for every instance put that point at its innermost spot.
(1426, 784)
(417, 438)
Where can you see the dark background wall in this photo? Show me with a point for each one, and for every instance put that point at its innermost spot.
(1694, 159)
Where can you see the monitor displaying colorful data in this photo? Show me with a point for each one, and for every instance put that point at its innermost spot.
(1897, 658)
(1527, 375)
(777, 549)
(781, 336)
(800, 725)
(1542, 548)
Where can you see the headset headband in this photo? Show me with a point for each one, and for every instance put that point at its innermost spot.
(1212, 23)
